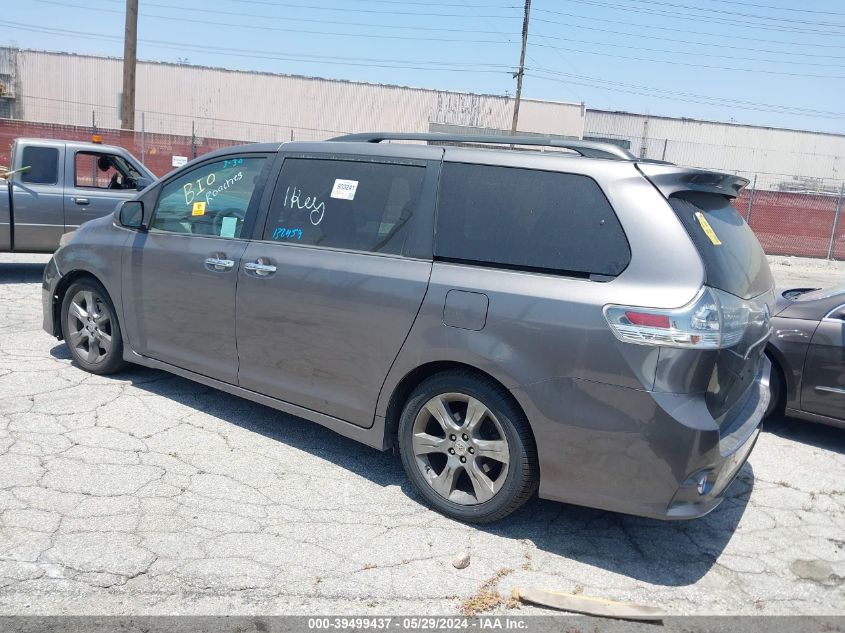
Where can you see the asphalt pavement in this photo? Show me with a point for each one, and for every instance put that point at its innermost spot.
(147, 493)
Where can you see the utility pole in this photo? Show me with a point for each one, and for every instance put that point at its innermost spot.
(130, 51)
(521, 73)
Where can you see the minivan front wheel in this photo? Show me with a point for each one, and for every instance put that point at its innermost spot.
(467, 447)
(90, 327)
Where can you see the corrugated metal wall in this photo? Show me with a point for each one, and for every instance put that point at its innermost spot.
(63, 88)
(779, 158)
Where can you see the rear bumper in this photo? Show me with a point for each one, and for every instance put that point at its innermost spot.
(645, 453)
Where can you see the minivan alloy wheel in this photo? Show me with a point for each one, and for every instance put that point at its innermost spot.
(460, 448)
(89, 323)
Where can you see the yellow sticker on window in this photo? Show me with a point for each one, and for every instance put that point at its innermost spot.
(199, 208)
(708, 230)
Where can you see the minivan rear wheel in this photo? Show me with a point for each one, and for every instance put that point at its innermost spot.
(467, 447)
(90, 327)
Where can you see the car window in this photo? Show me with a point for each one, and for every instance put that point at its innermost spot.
(528, 219)
(733, 259)
(212, 199)
(102, 171)
(356, 205)
(43, 163)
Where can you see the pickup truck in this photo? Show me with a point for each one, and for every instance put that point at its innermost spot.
(52, 186)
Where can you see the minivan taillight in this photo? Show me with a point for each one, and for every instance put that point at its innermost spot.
(713, 320)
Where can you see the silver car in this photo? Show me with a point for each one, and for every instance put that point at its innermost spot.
(575, 320)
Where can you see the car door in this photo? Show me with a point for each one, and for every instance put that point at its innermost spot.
(38, 215)
(328, 293)
(180, 275)
(823, 383)
(95, 182)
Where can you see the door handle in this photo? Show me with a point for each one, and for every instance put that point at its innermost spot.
(259, 268)
(219, 264)
(82, 201)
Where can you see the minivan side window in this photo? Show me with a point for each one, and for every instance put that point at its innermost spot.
(528, 219)
(43, 163)
(353, 205)
(212, 199)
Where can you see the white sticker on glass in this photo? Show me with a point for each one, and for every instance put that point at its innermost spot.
(344, 189)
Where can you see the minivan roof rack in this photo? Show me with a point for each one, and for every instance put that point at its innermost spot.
(589, 149)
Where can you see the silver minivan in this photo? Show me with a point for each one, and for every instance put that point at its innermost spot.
(573, 319)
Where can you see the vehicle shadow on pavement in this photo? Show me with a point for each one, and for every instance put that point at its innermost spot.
(21, 273)
(819, 435)
(669, 553)
(672, 553)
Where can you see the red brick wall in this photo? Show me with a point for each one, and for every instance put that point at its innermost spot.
(158, 148)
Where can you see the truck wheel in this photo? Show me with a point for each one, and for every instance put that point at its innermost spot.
(90, 327)
(467, 447)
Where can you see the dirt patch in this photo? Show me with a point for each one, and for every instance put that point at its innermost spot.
(487, 597)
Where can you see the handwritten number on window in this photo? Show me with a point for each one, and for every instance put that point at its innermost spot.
(283, 233)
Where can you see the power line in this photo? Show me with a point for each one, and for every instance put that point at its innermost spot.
(696, 53)
(688, 41)
(674, 29)
(445, 4)
(713, 20)
(575, 50)
(482, 67)
(700, 9)
(346, 10)
(693, 65)
(769, 6)
(282, 29)
(307, 20)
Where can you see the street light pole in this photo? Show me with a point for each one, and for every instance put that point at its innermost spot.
(521, 73)
(130, 50)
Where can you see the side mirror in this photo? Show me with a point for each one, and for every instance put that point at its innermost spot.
(131, 215)
(142, 183)
(12, 174)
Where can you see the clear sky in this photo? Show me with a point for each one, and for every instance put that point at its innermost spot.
(766, 62)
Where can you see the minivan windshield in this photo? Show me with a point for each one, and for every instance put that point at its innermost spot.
(733, 259)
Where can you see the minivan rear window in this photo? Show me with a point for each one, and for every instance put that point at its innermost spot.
(528, 219)
(733, 258)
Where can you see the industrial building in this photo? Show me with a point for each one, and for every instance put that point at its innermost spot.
(250, 106)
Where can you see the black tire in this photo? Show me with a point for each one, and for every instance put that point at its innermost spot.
(521, 477)
(108, 360)
(776, 389)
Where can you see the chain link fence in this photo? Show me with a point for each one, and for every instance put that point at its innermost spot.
(797, 213)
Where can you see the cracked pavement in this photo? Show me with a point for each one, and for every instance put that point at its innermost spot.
(144, 493)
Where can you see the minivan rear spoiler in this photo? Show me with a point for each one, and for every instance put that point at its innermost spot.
(670, 179)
